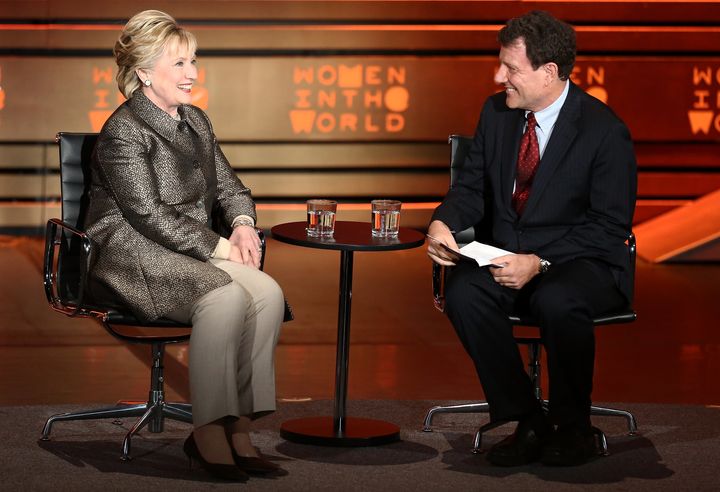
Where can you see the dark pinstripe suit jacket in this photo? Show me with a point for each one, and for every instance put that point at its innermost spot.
(155, 186)
(583, 195)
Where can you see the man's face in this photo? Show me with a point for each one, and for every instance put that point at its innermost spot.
(525, 88)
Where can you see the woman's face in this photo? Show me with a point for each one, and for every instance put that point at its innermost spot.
(171, 78)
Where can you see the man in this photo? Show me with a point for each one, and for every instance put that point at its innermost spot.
(554, 171)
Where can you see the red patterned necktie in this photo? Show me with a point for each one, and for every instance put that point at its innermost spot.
(528, 160)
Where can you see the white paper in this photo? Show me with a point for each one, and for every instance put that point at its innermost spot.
(474, 251)
(483, 253)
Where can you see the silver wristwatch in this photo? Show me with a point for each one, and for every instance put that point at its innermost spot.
(544, 266)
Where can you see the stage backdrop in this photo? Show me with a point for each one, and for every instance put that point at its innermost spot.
(355, 100)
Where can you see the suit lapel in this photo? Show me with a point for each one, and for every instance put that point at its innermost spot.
(563, 134)
(513, 129)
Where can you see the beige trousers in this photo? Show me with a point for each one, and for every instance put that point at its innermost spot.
(232, 345)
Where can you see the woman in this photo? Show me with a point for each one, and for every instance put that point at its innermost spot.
(159, 179)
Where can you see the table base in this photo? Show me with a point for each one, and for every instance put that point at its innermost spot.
(358, 432)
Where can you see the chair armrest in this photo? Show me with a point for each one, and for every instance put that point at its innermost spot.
(261, 236)
(438, 286)
(439, 272)
(60, 239)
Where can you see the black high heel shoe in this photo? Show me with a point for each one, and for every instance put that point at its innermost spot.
(226, 472)
(256, 465)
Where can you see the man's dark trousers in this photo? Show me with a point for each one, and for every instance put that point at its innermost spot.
(564, 301)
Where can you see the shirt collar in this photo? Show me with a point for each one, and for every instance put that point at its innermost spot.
(155, 117)
(547, 117)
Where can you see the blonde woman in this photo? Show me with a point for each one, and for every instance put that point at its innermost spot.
(159, 182)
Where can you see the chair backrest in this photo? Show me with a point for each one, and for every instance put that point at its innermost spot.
(459, 150)
(75, 156)
(72, 258)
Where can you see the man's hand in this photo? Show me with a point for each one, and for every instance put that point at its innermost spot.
(245, 246)
(440, 232)
(517, 270)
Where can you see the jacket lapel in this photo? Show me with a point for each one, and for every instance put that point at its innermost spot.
(562, 137)
(155, 117)
(513, 129)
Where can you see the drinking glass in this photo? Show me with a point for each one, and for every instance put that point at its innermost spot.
(385, 218)
(321, 217)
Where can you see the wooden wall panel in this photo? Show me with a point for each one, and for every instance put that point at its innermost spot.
(389, 98)
(293, 156)
(280, 185)
(26, 216)
(19, 156)
(677, 185)
(26, 186)
(415, 185)
(359, 38)
(431, 11)
(336, 155)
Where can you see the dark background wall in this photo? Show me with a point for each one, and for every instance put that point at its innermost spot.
(355, 99)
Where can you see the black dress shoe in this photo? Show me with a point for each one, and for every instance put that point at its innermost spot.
(218, 470)
(256, 465)
(524, 445)
(569, 446)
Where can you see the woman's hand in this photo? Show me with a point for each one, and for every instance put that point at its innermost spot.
(245, 246)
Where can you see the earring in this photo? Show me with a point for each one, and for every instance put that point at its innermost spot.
(147, 83)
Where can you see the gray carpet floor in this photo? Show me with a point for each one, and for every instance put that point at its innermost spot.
(678, 449)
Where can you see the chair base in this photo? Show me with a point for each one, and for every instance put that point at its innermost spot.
(151, 414)
(479, 407)
(484, 407)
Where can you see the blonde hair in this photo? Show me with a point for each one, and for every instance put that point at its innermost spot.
(142, 41)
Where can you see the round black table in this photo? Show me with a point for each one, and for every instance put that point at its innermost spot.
(340, 430)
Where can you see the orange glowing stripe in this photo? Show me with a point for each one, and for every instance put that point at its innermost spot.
(60, 27)
(345, 206)
(356, 27)
(622, 1)
(646, 29)
(20, 204)
(685, 248)
(266, 206)
(662, 202)
(277, 27)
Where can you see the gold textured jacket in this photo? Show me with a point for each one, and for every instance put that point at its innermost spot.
(157, 184)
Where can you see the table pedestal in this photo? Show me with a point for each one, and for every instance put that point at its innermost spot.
(340, 430)
(322, 431)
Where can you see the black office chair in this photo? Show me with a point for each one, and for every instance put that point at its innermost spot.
(67, 254)
(460, 146)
